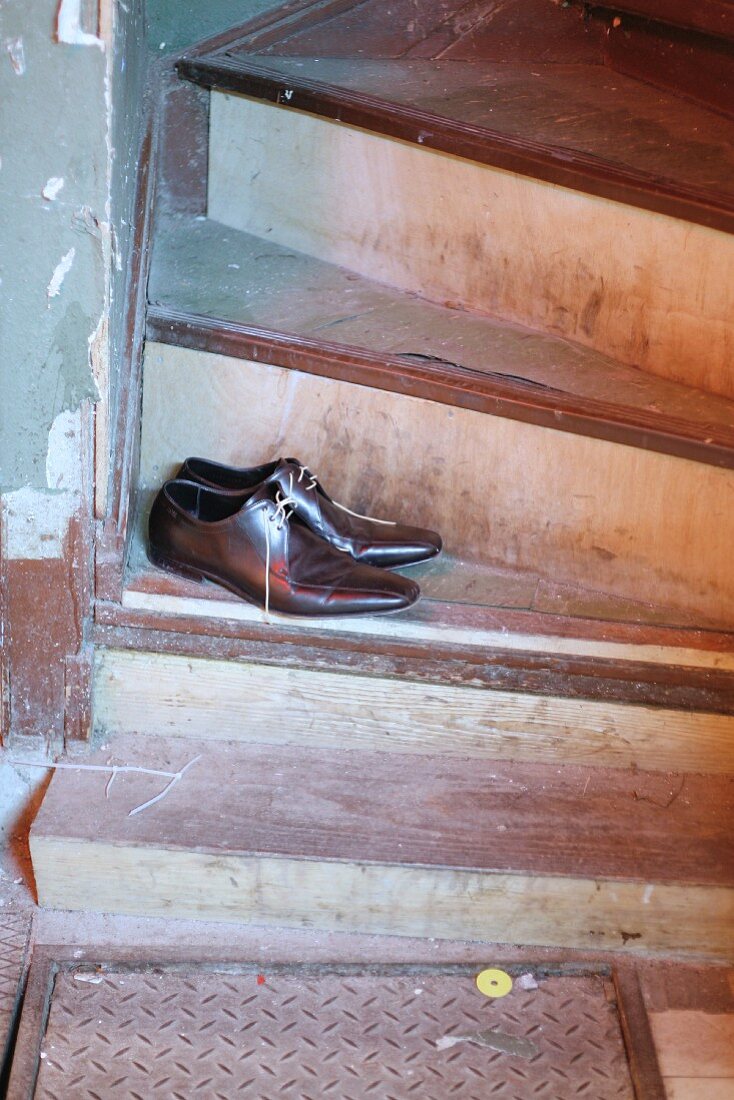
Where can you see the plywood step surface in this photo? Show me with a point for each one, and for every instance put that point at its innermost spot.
(361, 840)
(345, 325)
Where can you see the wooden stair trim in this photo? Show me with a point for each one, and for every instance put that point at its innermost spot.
(429, 811)
(544, 669)
(430, 620)
(448, 384)
(228, 695)
(560, 166)
(714, 17)
(113, 538)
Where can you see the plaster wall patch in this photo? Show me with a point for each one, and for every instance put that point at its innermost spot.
(62, 269)
(16, 52)
(63, 468)
(52, 188)
(69, 26)
(36, 522)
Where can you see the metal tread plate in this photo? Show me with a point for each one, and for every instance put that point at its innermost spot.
(308, 1034)
(14, 932)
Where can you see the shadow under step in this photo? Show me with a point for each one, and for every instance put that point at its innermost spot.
(420, 846)
(218, 289)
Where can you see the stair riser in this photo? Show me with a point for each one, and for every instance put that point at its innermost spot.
(165, 694)
(647, 289)
(629, 522)
(409, 901)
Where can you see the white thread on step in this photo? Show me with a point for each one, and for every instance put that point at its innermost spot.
(357, 515)
(115, 770)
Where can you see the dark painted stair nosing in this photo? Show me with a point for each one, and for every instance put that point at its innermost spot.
(447, 384)
(567, 168)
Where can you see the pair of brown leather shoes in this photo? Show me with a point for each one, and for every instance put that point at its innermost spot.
(273, 536)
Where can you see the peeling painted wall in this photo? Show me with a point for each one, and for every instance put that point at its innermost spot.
(175, 24)
(54, 228)
(63, 103)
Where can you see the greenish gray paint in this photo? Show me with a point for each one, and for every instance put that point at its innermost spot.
(53, 126)
(175, 24)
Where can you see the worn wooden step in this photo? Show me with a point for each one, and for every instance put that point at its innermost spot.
(378, 843)
(651, 291)
(218, 289)
(632, 523)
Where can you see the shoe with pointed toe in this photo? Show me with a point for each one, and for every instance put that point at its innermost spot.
(255, 545)
(370, 541)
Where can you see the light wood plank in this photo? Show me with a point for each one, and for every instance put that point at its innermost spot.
(378, 843)
(405, 901)
(649, 290)
(699, 1088)
(627, 522)
(694, 1044)
(219, 700)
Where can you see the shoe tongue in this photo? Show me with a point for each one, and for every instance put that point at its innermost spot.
(266, 491)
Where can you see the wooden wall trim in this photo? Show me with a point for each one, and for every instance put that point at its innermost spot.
(638, 1037)
(113, 532)
(576, 170)
(446, 383)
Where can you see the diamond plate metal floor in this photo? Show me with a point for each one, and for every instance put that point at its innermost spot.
(14, 932)
(306, 1034)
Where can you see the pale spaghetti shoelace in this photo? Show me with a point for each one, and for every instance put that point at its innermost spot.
(305, 472)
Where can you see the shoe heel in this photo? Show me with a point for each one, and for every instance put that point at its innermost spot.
(170, 566)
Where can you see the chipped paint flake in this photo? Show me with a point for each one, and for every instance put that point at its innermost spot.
(52, 188)
(62, 269)
(69, 26)
(16, 52)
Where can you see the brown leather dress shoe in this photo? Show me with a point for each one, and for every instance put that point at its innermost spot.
(255, 546)
(370, 541)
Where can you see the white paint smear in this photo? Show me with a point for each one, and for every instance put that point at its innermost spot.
(62, 269)
(15, 49)
(69, 26)
(52, 188)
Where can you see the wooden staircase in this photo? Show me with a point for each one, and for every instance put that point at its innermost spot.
(480, 281)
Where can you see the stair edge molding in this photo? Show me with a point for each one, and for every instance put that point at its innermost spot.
(571, 169)
(445, 383)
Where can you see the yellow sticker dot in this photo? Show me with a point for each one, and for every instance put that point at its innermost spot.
(494, 983)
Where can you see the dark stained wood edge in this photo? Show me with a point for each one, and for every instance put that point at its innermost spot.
(446, 383)
(609, 680)
(638, 1037)
(692, 65)
(561, 166)
(34, 1015)
(714, 17)
(112, 537)
(47, 612)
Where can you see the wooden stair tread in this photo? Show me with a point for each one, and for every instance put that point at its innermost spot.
(441, 812)
(578, 125)
(220, 289)
(458, 592)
